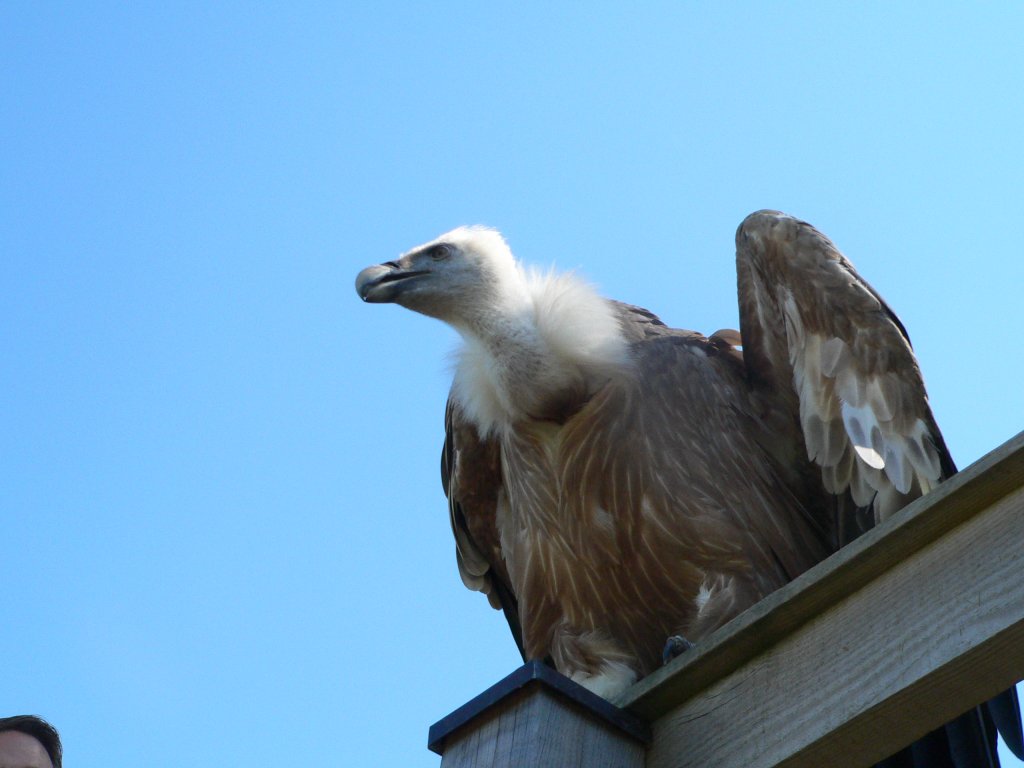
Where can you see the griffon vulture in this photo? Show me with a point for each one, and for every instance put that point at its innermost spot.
(613, 482)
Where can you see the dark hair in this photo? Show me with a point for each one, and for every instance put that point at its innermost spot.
(38, 729)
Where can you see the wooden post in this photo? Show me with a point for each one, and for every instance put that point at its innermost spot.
(537, 717)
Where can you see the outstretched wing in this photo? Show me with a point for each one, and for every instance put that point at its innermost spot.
(471, 476)
(840, 362)
(838, 365)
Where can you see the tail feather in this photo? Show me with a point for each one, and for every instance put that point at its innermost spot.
(1004, 710)
(969, 741)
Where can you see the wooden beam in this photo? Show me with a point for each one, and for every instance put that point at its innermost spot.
(899, 632)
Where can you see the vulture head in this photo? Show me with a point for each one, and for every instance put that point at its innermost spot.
(459, 277)
(534, 343)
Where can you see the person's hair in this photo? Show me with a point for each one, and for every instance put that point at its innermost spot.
(38, 729)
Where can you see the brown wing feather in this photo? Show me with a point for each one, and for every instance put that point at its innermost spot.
(837, 361)
(471, 476)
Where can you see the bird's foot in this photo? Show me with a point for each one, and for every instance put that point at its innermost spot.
(675, 646)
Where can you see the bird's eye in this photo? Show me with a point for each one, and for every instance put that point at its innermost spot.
(439, 252)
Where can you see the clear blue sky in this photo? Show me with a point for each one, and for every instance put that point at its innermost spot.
(223, 535)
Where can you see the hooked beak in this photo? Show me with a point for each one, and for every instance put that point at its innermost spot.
(383, 283)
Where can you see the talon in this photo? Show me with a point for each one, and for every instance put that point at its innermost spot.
(675, 646)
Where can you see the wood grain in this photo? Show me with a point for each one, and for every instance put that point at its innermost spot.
(535, 727)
